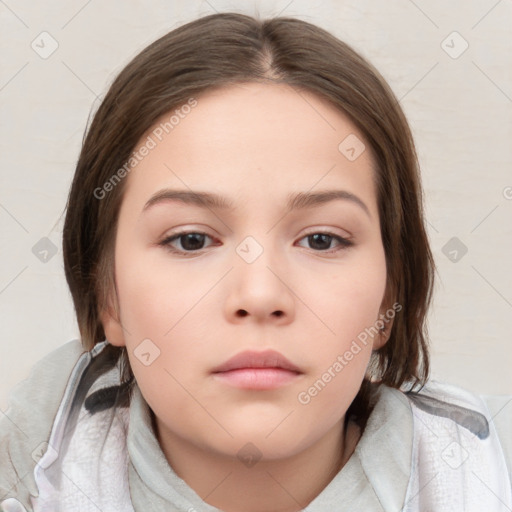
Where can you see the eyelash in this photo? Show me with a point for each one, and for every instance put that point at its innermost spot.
(344, 243)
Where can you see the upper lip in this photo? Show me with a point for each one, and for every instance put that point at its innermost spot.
(251, 359)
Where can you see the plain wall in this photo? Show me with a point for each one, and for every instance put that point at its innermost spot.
(459, 105)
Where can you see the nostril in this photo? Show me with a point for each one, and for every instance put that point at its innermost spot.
(243, 312)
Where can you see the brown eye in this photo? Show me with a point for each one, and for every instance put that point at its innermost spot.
(190, 241)
(321, 242)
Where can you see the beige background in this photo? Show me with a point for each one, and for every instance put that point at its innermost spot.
(459, 107)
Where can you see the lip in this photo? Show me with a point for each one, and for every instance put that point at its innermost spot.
(257, 370)
(251, 359)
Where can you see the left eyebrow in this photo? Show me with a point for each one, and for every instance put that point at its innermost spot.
(303, 200)
(297, 201)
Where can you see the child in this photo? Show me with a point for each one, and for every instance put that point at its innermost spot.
(259, 368)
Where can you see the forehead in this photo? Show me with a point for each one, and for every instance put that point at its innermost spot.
(256, 142)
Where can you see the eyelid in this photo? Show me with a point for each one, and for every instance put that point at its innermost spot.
(176, 235)
(328, 231)
(310, 231)
(345, 242)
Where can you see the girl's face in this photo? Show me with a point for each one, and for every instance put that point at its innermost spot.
(253, 274)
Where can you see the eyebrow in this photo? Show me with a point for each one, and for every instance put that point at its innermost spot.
(297, 201)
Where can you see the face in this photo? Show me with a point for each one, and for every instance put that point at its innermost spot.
(200, 283)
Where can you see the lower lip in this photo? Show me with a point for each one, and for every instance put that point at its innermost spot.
(257, 378)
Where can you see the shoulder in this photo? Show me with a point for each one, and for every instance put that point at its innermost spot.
(460, 406)
(478, 413)
(26, 425)
(458, 432)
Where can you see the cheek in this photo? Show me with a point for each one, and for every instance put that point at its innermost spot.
(339, 361)
(174, 310)
(327, 396)
(348, 300)
(155, 295)
(164, 309)
(346, 325)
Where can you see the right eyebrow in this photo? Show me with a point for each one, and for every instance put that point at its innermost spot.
(202, 199)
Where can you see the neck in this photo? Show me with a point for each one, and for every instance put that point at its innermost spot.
(278, 485)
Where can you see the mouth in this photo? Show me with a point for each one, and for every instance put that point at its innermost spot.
(257, 370)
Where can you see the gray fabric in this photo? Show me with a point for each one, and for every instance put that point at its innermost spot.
(28, 420)
(471, 420)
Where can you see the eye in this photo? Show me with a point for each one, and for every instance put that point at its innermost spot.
(321, 241)
(193, 241)
(190, 241)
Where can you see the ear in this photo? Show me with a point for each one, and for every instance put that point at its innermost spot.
(110, 319)
(386, 319)
(383, 336)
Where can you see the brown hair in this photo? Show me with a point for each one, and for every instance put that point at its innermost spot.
(228, 48)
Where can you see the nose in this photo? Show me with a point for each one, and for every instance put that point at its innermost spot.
(260, 290)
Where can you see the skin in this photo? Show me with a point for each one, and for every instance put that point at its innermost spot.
(254, 144)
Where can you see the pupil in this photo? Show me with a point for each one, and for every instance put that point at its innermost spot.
(192, 241)
(319, 237)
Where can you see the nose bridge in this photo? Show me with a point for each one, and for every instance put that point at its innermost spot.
(258, 287)
(256, 258)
